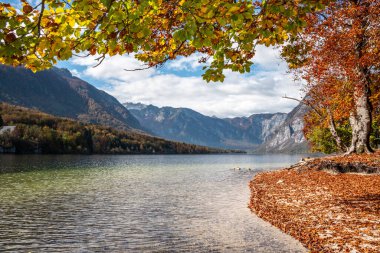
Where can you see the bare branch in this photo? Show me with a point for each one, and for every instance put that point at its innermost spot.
(38, 5)
(66, 2)
(100, 60)
(160, 63)
(305, 102)
(138, 69)
(40, 19)
(82, 56)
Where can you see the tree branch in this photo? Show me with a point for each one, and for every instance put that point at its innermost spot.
(38, 26)
(305, 103)
(100, 60)
(160, 62)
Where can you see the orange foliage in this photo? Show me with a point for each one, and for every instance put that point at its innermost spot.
(338, 54)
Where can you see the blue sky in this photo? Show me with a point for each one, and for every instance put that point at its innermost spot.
(179, 83)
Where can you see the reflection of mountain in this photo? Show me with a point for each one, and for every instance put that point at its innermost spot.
(57, 92)
(277, 132)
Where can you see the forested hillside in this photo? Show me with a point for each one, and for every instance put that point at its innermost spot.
(37, 132)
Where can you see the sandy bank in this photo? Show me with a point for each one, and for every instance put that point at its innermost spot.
(326, 211)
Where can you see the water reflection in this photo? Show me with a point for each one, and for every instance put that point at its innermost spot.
(134, 203)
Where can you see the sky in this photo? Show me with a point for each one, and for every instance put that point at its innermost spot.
(179, 84)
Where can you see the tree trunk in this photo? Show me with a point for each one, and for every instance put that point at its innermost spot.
(334, 133)
(360, 121)
(361, 117)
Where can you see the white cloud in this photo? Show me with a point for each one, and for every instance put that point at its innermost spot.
(113, 69)
(190, 63)
(75, 72)
(238, 95)
(269, 58)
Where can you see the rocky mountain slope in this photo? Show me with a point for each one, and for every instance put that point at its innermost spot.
(257, 127)
(182, 124)
(57, 92)
(277, 132)
(288, 137)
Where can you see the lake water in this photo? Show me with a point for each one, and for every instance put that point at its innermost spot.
(156, 203)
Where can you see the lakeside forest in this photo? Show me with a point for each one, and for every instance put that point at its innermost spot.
(37, 132)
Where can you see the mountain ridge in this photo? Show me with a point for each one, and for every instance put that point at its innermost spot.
(56, 91)
(288, 137)
(256, 132)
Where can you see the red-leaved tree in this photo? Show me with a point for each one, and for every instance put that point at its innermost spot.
(338, 54)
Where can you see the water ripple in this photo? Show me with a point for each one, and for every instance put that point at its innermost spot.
(134, 204)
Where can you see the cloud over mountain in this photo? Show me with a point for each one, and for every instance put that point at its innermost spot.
(179, 84)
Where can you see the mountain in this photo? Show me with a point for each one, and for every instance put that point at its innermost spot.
(182, 124)
(37, 132)
(257, 127)
(56, 91)
(270, 132)
(287, 137)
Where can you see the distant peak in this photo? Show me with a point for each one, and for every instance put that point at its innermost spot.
(62, 71)
(135, 106)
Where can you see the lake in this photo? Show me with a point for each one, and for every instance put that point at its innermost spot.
(135, 203)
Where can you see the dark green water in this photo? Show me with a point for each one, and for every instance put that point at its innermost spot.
(168, 203)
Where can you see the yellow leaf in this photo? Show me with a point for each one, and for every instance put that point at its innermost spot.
(72, 22)
(140, 34)
(234, 9)
(59, 10)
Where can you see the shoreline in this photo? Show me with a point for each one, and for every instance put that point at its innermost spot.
(327, 211)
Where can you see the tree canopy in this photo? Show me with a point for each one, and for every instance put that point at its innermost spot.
(156, 30)
(338, 54)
